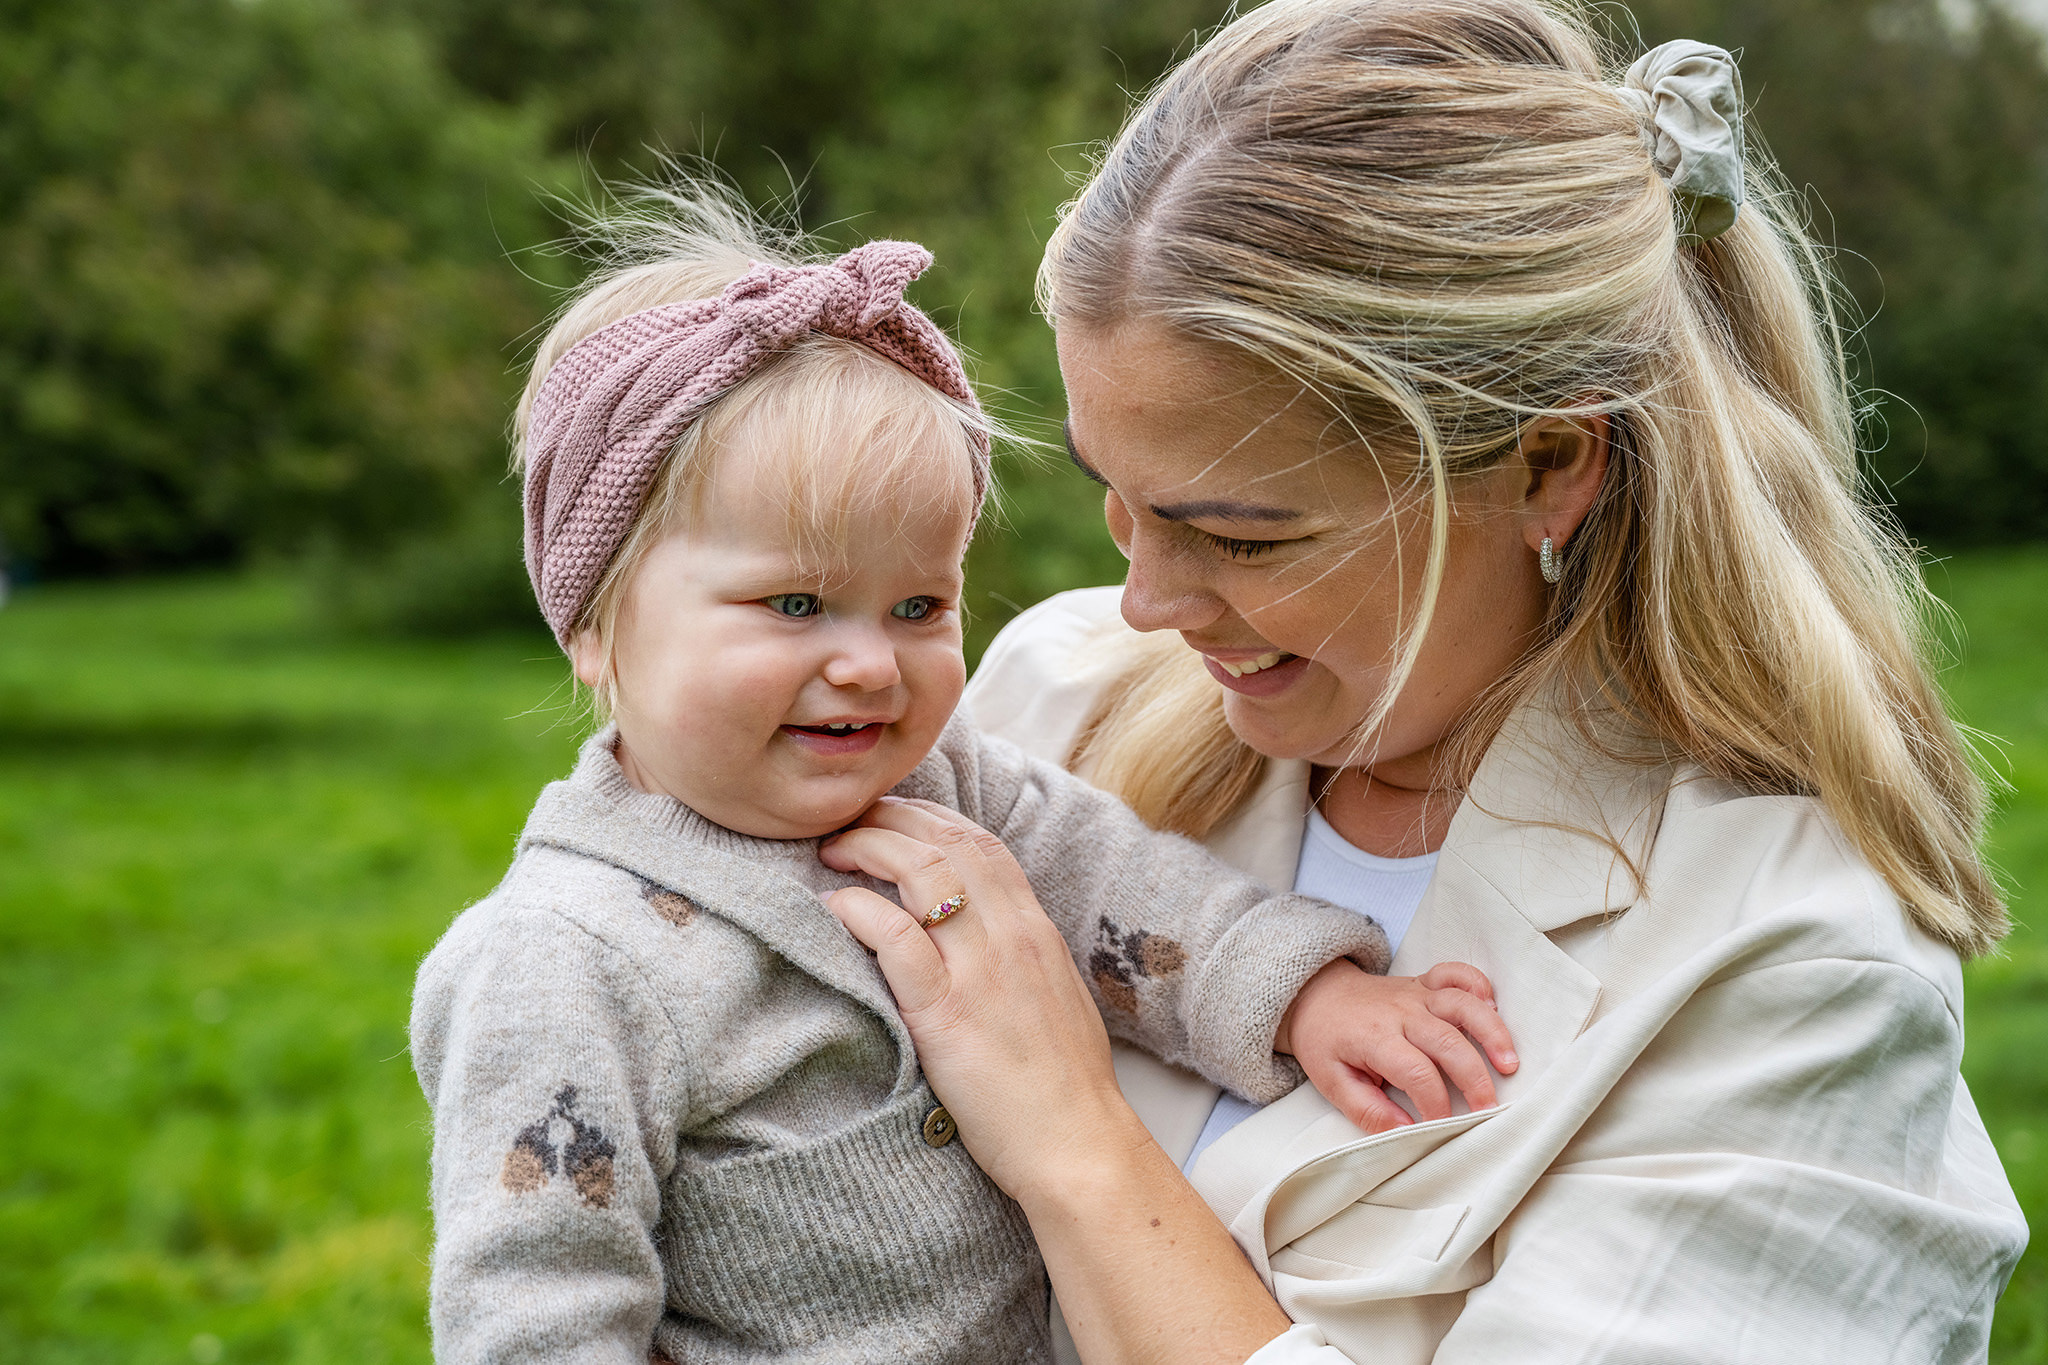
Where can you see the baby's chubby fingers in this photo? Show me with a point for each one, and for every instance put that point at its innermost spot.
(908, 957)
(1360, 1099)
(1452, 1053)
(1412, 1070)
(1478, 1017)
(1460, 976)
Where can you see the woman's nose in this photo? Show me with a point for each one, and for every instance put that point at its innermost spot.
(1166, 589)
(863, 658)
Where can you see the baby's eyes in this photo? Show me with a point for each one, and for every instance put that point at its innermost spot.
(794, 604)
(915, 608)
(798, 605)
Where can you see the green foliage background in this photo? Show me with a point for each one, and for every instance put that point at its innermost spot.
(268, 268)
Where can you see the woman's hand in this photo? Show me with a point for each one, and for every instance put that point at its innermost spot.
(1006, 1032)
(1011, 1042)
(1354, 1033)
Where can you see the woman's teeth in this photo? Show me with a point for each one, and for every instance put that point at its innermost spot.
(1239, 670)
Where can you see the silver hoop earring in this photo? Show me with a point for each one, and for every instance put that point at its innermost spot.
(1549, 561)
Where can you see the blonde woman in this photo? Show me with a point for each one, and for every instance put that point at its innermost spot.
(1473, 414)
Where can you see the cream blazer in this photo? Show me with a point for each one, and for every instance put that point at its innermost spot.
(1738, 1133)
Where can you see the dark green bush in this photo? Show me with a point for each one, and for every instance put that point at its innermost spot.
(262, 283)
(252, 283)
(464, 577)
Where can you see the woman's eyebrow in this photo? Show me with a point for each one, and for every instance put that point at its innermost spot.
(1217, 509)
(1221, 509)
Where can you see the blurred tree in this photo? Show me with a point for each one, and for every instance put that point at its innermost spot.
(955, 123)
(251, 287)
(1922, 125)
(1922, 128)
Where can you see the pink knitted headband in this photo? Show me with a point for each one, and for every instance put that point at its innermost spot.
(617, 400)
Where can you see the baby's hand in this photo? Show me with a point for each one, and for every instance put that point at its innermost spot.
(1353, 1033)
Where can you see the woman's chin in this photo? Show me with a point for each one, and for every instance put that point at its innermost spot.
(1278, 731)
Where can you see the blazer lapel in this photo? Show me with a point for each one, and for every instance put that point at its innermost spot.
(1549, 835)
(1263, 838)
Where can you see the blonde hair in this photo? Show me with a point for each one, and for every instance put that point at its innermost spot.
(1441, 218)
(855, 432)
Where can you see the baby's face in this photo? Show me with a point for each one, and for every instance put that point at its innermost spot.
(781, 703)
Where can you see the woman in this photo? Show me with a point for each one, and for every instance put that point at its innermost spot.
(1484, 458)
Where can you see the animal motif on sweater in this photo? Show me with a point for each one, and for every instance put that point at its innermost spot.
(676, 909)
(1122, 957)
(585, 1154)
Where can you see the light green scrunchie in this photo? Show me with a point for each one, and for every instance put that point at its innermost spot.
(1690, 98)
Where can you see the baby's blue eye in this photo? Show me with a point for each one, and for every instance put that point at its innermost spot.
(914, 608)
(795, 604)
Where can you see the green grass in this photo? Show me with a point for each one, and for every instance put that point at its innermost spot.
(227, 835)
(2000, 686)
(225, 843)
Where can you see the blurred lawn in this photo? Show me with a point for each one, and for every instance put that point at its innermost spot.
(226, 838)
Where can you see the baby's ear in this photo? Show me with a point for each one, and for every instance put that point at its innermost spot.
(587, 658)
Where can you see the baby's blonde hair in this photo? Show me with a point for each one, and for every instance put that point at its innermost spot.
(888, 433)
(1441, 218)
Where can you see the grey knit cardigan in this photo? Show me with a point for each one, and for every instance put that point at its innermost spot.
(677, 1115)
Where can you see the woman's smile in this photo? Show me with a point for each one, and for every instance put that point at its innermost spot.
(1263, 675)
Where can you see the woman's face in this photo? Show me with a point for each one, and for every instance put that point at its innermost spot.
(1269, 538)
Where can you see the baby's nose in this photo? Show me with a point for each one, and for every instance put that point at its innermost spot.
(866, 660)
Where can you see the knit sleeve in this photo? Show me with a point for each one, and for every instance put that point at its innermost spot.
(553, 1078)
(1188, 958)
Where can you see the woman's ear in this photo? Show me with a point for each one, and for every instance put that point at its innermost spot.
(1567, 463)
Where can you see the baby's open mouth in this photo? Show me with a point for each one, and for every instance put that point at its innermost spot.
(838, 730)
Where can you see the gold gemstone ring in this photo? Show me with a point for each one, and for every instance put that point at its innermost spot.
(944, 910)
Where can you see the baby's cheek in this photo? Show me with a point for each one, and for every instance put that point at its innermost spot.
(936, 675)
(712, 717)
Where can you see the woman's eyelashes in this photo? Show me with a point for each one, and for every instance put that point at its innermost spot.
(1241, 549)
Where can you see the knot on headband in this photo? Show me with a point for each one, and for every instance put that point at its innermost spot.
(855, 294)
(1689, 97)
(615, 402)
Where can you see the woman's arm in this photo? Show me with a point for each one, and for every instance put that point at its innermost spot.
(1011, 1042)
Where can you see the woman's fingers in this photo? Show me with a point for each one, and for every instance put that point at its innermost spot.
(900, 840)
(908, 957)
(923, 875)
(979, 859)
(887, 855)
(1482, 1021)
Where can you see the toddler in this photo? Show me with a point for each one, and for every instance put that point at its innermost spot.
(676, 1114)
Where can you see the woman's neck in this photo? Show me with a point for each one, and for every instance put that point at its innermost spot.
(1382, 816)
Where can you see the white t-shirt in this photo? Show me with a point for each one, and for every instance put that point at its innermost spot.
(1387, 889)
